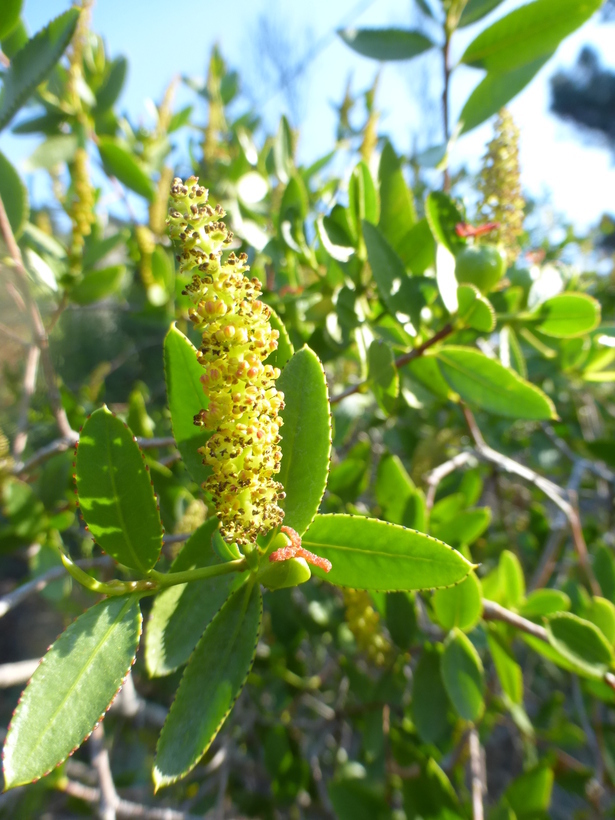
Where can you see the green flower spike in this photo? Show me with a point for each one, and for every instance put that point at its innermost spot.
(244, 405)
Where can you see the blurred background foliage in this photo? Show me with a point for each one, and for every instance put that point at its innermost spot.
(345, 715)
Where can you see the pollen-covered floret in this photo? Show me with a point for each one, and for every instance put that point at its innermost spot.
(243, 410)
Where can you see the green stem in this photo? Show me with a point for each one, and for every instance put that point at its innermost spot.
(166, 579)
(111, 588)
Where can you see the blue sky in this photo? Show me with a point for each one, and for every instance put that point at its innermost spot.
(578, 178)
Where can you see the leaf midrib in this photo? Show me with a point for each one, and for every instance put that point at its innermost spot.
(84, 669)
(370, 553)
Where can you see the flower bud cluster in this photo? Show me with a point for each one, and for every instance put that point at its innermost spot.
(364, 623)
(243, 411)
(500, 185)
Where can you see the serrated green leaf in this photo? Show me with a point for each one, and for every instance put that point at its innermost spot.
(475, 10)
(580, 642)
(474, 309)
(71, 689)
(431, 796)
(443, 215)
(530, 794)
(397, 212)
(9, 16)
(462, 675)
(97, 284)
(383, 375)
(401, 501)
(417, 249)
(430, 704)
(119, 162)
(601, 612)
(371, 554)
(464, 528)
(401, 618)
(567, 315)
(459, 606)
(509, 672)
(306, 438)
(543, 602)
(386, 43)
(115, 493)
(14, 196)
(33, 63)
(512, 580)
(527, 33)
(485, 383)
(363, 200)
(181, 613)
(285, 350)
(186, 398)
(110, 90)
(214, 677)
(495, 90)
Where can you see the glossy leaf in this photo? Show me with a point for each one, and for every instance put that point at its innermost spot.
(394, 285)
(9, 16)
(462, 674)
(33, 63)
(580, 642)
(495, 90)
(401, 501)
(119, 162)
(475, 10)
(72, 688)
(214, 677)
(512, 580)
(543, 602)
(284, 351)
(386, 43)
(401, 618)
(186, 398)
(363, 202)
(459, 606)
(443, 215)
(370, 554)
(431, 796)
(567, 315)
(397, 213)
(430, 704)
(97, 284)
(306, 438)
(601, 612)
(530, 794)
(383, 375)
(417, 249)
(527, 33)
(485, 383)
(115, 493)
(464, 528)
(110, 90)
(509, 672)
(181, 613)
(474, 310)
(14, 196)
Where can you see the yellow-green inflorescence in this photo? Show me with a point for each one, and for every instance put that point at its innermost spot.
(244, 405)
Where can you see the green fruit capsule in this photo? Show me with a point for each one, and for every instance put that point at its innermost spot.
(282, 574)
(480, 265)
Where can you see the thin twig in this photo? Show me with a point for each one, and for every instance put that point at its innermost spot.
(495, 612)
(39, 333)
(60, 445)
(124, 808)
(19, 594)
(107, 804)
(477, 773)
(399, 362)
(596, 467)
(560, 497)
(27, 391)
(436, 475)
